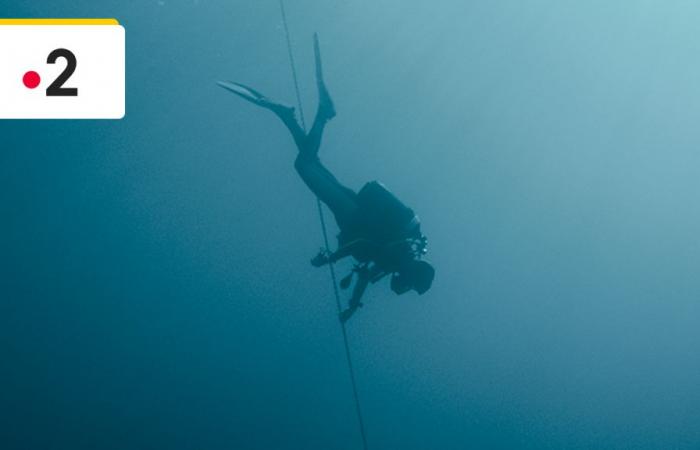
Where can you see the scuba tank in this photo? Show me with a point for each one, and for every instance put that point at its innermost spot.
(387, 221)
(383, 216)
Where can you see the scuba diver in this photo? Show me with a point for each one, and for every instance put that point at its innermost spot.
(376, 229)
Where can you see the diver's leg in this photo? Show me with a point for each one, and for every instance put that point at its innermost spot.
(284, 112)
(341, 200)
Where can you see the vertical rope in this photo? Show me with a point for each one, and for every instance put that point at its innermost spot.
(322, 219)
(342, 327)
(292, 62)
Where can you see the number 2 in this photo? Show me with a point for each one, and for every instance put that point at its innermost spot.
(56, 88)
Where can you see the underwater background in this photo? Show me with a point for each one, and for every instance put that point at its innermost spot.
(155, 285)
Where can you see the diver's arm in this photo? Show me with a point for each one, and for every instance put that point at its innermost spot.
(348, 249)
(376, 273)
(358, 291)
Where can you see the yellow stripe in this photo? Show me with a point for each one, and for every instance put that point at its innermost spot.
(59, 22)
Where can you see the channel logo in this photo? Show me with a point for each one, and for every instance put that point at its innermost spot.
(62, 69)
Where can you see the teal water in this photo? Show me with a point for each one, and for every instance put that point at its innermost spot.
(156, 291)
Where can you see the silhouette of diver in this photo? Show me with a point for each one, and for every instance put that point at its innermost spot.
(379, 231)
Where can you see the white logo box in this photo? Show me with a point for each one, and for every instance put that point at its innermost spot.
(99, 76)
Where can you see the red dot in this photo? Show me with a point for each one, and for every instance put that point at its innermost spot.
(31, 79)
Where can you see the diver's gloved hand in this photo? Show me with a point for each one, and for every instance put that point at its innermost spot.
(322, 258)
(345, 282)
(346, 315)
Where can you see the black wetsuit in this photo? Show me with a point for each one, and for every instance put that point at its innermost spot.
(363, 230)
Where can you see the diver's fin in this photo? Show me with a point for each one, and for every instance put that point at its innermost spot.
(317, 57)
(244, 91)
(286, 113)
(326, 106)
